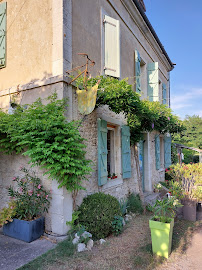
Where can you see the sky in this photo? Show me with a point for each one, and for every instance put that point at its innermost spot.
(178, 24)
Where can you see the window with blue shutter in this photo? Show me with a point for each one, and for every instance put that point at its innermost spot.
(137, 72)
(102, 152)
(111, 47)
(167, 150)
(153, 81)
(2, 35)
(125, 149)
(157, 152)
(164, 93)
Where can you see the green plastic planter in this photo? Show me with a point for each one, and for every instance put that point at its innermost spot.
(161, 235)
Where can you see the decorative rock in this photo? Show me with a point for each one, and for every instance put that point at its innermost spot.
(86, 234)
(76, 236)
(128, 217)
(75, 241)
(123, 222)
(81, 247)
(90, 244)
(102, 241)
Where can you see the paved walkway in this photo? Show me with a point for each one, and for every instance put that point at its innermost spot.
(192, 259)
(15, 253)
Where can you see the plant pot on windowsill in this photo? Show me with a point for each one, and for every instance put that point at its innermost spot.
(24, 230)
(161, 235)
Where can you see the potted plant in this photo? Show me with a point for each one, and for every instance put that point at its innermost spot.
(30, 201)
(161, 226)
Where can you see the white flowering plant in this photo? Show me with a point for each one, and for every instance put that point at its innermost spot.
(31, 198)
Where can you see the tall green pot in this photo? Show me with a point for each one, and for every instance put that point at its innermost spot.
(161, 235)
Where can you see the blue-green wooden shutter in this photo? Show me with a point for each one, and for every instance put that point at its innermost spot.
(112, 46)
(164, 93)
(137, 71)
(167, 150)
(102, 152)
(2, 34)
(141, 161)
(153, 81)
(157, 151)
(125, 151)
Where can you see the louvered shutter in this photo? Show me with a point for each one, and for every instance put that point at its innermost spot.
(102, 152)
(157, 151)
(2, 34)
(112, 47)
(137, 71)
(164, 94)
(125, 151)
(167, 150)
(153, 81)
(141, 161)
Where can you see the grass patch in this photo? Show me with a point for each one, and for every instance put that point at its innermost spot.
(57, 255)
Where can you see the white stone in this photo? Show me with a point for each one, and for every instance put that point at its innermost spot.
(86, 234)
(90, 244)
(81, 247)
(123, 222)
(76, 236)
(102, 241)
(75, 241)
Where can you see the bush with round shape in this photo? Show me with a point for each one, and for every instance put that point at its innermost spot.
(97, 213)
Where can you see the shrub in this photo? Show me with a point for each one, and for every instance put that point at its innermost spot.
(97, 213)
(134, 204)
(123, 206)
(117, 225)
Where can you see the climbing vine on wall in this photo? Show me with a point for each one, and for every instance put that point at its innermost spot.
(43, 133)
(142, 115)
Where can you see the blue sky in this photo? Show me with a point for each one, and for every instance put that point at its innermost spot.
(178, 24)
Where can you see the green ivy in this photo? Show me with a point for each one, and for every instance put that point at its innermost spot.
(142, 115)
(51, 142)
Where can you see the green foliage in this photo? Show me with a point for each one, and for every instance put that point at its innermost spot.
(43, 133)
(191, 136)
(189, 177)
(176, 190)
(165, 209)
(30, 197)
(75, 217)
(134, 204)
(7, 213)
(117, 225)
(97, 213)
(123, 206)
(141, 115)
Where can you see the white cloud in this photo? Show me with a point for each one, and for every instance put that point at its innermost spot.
(187, 97)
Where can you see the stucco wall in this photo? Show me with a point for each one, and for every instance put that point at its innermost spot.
(29, 42)
(88, 31)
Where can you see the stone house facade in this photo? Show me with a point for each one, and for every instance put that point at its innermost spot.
(40, 41)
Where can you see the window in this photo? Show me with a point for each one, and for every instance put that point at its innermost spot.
(167, 150)
(110, 150)
(113, 151)
(2, 35)
(139, 74)
(153, 81)
(111, 46)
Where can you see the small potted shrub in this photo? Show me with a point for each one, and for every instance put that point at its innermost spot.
(30, 201)
(161, 226)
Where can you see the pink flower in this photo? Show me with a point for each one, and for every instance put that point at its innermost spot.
(38, 195)
(12, 207)
(20, 189)
(30, 192)
(39, 186)
(152, 125)
(168, 118)
(46, 197)
(14, 178)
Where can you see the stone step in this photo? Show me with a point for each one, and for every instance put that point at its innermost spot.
(150, 197)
